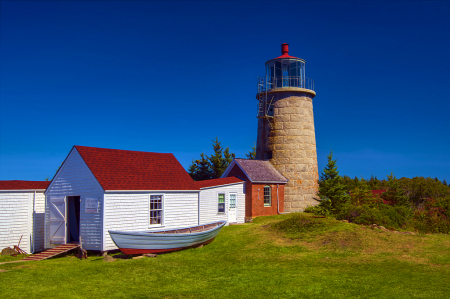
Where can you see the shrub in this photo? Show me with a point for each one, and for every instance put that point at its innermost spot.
(299, 223)
(433, 217)
(322, 210)
(382, 214)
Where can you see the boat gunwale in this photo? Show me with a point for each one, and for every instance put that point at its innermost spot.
(148, 233)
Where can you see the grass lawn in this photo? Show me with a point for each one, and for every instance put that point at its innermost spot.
(331, 259)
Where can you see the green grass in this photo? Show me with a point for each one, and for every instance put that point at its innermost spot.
(274, 257)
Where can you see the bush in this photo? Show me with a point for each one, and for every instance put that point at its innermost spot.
(385, 215)
(433, 217)
(320, 210)
(299, 223)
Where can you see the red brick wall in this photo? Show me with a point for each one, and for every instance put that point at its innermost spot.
(248, 200)
(253, 206)
(257, 199)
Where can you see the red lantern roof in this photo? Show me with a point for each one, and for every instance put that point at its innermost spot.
(285, 52)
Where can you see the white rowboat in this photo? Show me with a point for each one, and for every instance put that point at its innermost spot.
(157, 241)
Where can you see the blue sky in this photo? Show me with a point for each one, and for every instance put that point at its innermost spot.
(170, 76)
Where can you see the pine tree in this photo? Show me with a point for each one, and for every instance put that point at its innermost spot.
(331, 189)
(211, 167)
(444, 182)
(200, 169)
(395, 195)
(362, 194)
(220, 159)
(252, 153)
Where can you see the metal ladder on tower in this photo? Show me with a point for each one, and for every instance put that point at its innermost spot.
(263, 105)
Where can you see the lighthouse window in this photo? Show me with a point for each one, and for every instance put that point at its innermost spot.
(267, 196)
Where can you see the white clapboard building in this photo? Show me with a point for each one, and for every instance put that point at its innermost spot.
(97, 190)
(222, 199)
(22, 214)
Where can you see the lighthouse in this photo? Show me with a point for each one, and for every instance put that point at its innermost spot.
(286, 135)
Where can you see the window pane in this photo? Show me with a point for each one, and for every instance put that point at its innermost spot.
(267, 196)
(156, 209)
(221, 202)
(232, 200)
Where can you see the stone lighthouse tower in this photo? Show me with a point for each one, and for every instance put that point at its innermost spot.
(286, 134)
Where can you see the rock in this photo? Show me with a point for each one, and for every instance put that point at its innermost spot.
(201, 246)
(345, 221)
(138, 257)
(108, 259)
(396, 232)
(9, 251)
(150, 255)
(409, 233)
(382, 228)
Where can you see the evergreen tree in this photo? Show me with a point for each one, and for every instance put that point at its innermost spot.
(200, 169)
(444, 182)
(332, 191)
(252, 153)
(395, 195)
(220, 160)
(211, 167)
(362, 194)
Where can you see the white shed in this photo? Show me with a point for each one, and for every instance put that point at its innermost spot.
(97, 190)
(22, 214)
(222, 199)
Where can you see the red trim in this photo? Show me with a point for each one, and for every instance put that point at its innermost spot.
(142, 251)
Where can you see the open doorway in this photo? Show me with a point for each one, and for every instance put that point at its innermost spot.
(73, 219)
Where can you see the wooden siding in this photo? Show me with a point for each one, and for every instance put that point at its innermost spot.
(15, 220)
(209, 203)
(130, 212)
(75, 179)
(39, 218)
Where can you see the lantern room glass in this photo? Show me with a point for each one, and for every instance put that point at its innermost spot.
(285, 73)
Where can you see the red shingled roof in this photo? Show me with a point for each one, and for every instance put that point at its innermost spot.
(217, 182)
(133, 170)
(24, 185)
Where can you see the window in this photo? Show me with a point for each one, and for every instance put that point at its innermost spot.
(232, 200)
(221, 201)
(267, 196)
(156, 209)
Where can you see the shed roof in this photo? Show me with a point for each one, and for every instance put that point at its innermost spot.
(258, 171)
(134, 170)
(218, 182)
(23, 185)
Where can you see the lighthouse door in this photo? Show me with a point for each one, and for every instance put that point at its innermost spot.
(232, 214)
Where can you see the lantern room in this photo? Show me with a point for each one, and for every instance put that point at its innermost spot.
(286, 71)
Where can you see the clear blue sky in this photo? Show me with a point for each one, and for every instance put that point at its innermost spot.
(171, 76)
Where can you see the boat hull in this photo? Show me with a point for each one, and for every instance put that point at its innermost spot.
(164, 241)
(142, 251)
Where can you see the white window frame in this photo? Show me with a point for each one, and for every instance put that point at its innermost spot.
(150, 210)
(224, 202)
(270, 196)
